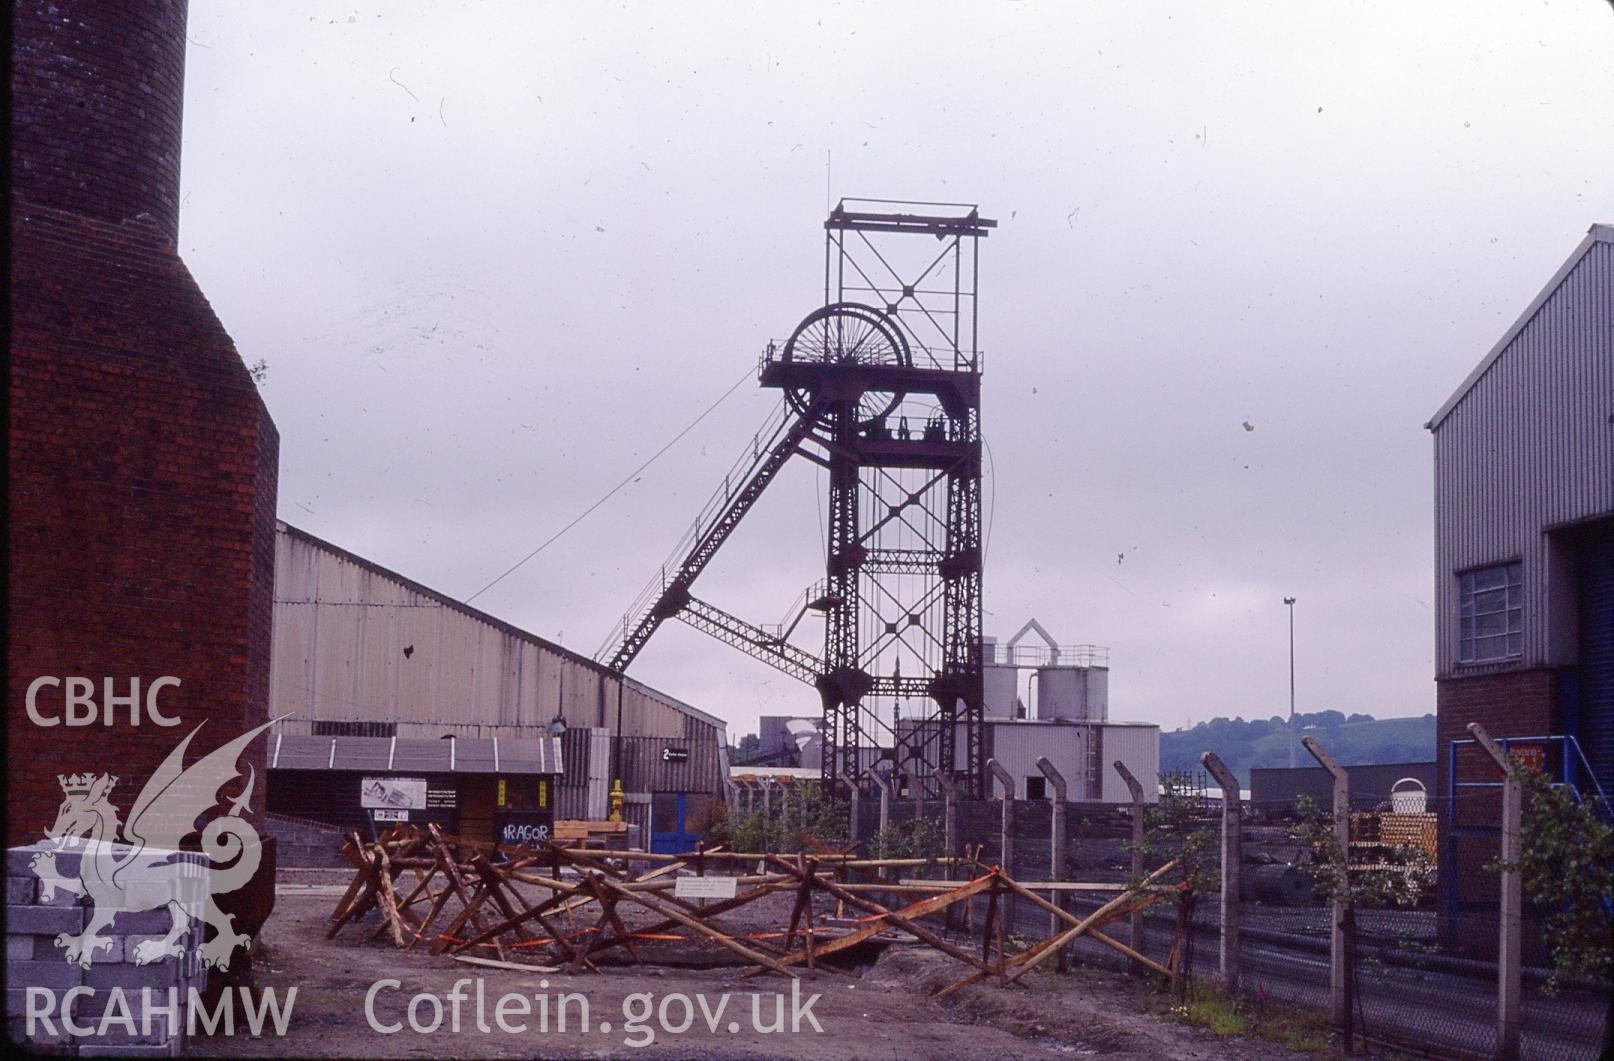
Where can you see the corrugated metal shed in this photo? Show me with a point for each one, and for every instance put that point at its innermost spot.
(1526, 445)
(355, 641)
(359, 648)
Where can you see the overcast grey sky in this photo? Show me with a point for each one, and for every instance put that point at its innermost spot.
(497, 254)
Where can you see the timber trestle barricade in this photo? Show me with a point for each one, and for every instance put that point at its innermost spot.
(566, 906)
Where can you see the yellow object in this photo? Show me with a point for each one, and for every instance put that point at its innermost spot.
(501, 791)
(616, 800)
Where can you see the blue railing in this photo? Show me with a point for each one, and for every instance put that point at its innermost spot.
(1561, 757)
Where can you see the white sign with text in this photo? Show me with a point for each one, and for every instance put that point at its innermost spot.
(706, 887)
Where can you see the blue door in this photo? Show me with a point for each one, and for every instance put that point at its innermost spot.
(668, 823)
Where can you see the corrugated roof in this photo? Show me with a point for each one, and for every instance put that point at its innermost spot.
(500, 624)
(1595, 235)
(534, 755)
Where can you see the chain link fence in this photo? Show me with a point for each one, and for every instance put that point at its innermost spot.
(1423, 883)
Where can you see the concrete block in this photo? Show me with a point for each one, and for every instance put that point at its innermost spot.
(17, 1002)
(113, 953)
(170, 1049)
(21, 891)
(56, 974)
(19, 860)
(43, 1038)
(58, 897)
(131, 946)
(19, 948)
(143, 922)
(157, 976)
(159, 1028)
(44, 920)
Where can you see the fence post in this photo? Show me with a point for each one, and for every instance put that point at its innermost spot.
(1341, 942)
(1511, 926)
(1058, 855)
(916, 792)
(949, 792)
(854, 795)
(767, 812)
(1231, 856)
(1135, 787)
(949, 817)
(885, 808)
(1006, 836)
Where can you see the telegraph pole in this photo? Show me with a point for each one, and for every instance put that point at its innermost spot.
(1290, 601)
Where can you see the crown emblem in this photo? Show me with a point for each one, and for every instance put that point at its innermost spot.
(79, 784)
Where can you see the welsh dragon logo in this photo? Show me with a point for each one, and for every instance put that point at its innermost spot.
(137, 867)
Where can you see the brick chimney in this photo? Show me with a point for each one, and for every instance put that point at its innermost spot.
(97, 93)
(143, 461)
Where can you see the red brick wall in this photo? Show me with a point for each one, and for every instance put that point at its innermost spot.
(98, 89)
(142, 478)
(143, 462)
(1511, 703)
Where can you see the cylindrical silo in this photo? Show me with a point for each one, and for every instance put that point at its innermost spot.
(1062, 693)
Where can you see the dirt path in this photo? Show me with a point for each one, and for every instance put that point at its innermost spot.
(884, 1012)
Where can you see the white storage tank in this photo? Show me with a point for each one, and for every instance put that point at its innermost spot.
(1000, 682)
(1098, 693)
(999, 689)
(1077, 694)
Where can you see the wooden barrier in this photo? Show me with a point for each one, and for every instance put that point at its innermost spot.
(480, 898)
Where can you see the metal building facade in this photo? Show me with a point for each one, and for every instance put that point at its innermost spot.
(1524, 448)
(355, 643)
(1082, 752)
(1524, 475)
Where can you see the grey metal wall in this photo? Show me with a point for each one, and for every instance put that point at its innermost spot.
(355, 642)
(1529, 447)
(1139, 748)
(1068, 746)
(1278, 784)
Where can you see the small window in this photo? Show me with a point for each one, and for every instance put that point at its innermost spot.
(1036, 788)
(1490, 613)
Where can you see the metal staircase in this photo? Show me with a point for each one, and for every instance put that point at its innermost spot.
(668, 594)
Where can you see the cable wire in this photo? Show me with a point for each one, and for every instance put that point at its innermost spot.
(615, 489)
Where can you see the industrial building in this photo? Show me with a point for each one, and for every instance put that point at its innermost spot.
(1063, 716)
(1524, 559)
(1524, 523)
(372, 668)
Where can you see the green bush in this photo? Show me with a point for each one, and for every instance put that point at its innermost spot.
(1566, 864)
(795, 817)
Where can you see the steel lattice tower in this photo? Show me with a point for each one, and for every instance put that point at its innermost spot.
(882, 389)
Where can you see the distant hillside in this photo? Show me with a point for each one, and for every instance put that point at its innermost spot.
(1353, 740)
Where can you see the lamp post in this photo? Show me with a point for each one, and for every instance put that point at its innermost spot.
(1290, 601)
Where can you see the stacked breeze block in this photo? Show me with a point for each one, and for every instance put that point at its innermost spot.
(34, 960)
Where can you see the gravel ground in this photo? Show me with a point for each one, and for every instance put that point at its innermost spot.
(880, 1009)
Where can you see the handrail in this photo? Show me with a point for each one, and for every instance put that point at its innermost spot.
(781, 434)
(1580, 780)
(756, 452)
